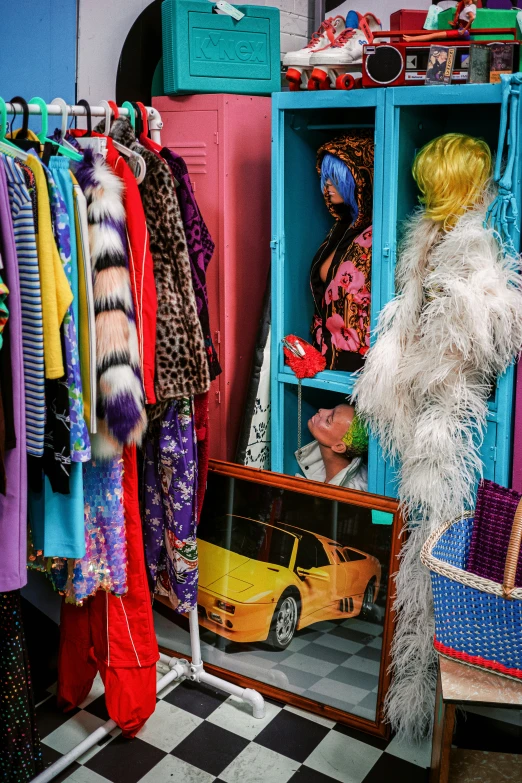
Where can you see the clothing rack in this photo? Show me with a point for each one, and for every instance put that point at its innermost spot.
(176, 669)
(173, 668)
(154, 117)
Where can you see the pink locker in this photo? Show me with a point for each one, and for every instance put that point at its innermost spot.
(225, 142)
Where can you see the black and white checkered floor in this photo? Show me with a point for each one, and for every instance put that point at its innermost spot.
(199, 735)
(333, 663)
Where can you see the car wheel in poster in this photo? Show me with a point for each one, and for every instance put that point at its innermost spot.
(368, 600)
(284, 620)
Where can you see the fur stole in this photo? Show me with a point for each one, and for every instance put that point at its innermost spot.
(453, 328)
(121, 405)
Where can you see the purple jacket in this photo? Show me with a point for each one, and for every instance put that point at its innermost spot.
(13, 506)
(200, 248)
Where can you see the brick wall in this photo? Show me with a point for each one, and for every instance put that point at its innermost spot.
(296, 20)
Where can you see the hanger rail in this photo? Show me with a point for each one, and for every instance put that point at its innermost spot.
(154, 117)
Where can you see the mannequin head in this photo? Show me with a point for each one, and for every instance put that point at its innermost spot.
(340, 430)
(347, 163)
(338, 184)
(451, 172)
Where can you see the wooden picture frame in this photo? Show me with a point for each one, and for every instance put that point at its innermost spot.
(379, 510)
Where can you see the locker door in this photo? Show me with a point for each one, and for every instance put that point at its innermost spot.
(194, 136)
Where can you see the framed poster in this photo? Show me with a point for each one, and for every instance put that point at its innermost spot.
(294, 591)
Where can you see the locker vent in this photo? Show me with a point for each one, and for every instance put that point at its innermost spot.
(194, 154)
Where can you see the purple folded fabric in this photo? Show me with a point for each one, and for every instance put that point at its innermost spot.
(494, 514)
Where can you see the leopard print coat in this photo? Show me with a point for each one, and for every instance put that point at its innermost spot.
(181, 361)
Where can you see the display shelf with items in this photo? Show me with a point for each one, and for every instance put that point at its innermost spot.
(301, 124)
(313, 399)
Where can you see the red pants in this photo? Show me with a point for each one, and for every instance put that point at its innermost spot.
(114, 635)
(203, 438)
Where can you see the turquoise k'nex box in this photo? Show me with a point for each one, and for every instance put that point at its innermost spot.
(208, 52)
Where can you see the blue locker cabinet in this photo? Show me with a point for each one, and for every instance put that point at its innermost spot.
(403, 119)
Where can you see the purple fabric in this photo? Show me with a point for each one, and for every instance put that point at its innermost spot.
(170, 488)
(200, 248)
(13, 506)
(494, 514)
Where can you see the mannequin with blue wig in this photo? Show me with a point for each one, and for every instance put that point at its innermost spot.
(340, 273)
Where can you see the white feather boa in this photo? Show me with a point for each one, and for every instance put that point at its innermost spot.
(454, 326)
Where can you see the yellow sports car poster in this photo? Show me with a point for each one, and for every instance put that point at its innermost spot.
(294, 589)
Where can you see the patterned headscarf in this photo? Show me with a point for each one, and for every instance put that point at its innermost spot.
(356, 150)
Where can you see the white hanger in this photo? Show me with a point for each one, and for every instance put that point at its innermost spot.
(63, 130)
(140, 176)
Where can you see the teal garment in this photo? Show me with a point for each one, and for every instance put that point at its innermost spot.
(58, 521)
(54, 518)
(62, 177)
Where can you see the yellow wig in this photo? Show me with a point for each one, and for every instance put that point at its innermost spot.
(451, 172)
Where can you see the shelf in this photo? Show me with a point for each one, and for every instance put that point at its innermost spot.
(329, 380)
(454, 94)
(327, 99)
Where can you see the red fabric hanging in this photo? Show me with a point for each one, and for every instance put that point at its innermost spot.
(114, 635)
(201, 421)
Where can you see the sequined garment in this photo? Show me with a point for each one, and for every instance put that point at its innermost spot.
(105, 562)
(20, 750)
(170, 500)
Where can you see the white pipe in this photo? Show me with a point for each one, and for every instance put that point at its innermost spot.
(247, 694)
(195, 646)
(77, 111)
(154, 117)
(155, 124)
(90, 741)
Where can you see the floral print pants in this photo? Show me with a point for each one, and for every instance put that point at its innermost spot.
(170, 515)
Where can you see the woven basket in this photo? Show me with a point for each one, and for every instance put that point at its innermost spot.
(477, 621)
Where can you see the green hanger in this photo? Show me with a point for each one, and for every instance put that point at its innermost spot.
(132, 113)
(42, 136)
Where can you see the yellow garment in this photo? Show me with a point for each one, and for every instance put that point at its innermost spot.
(55, 289)
(86, 325)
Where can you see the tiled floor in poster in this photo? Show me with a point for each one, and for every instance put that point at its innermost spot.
(334, 663)
(199, 735)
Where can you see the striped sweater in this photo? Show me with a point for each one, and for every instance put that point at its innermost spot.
(120, 400)
(32, 324)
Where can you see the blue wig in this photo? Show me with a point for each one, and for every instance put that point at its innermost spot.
(333, 169)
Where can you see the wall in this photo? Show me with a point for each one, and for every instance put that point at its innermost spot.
(38, 49)
(101, 37)
(296, 21)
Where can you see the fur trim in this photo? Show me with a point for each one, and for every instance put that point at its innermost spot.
(121, 403)
(453, 328)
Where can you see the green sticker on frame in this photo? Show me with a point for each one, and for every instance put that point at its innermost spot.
(381, 517)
